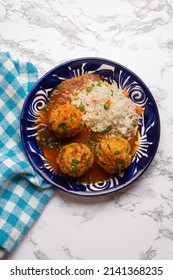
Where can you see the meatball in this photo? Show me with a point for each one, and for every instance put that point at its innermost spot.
(113, 155)
(65, 120)
(75, 159)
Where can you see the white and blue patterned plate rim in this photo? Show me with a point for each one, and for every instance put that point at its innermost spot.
(139, 93)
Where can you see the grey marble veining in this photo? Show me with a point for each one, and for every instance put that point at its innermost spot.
(136, 223)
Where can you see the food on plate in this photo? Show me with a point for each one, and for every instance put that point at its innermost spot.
(75, 159)
(106, 106)
(113, 154)
(88, 129)
(65, 120)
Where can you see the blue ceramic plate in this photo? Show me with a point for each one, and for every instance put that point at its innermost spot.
(149, 129)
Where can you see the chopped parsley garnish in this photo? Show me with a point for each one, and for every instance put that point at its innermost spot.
(120, 165)
(72, 117)
(64, 127)
(109, 128)
(73, 146)
(74, 164)
(91, 142)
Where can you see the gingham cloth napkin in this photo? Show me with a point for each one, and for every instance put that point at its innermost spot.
(21, 201)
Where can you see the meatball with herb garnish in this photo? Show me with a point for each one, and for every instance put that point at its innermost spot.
(113, 154)
(65, 120)
(75, 159)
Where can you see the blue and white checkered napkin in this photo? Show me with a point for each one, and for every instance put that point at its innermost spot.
(21, 201)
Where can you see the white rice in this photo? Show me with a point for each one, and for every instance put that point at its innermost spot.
(121, 115)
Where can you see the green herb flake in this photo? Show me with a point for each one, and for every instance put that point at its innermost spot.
(59, 145)
(51, 143)
(73, 146)
(120, 165)
(72, 117)
(74, 165)
(117, 152)
(75, 161)
(64, 127)
(109, 128)
(92, 141)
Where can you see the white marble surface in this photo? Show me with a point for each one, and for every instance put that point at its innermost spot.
(138, 222)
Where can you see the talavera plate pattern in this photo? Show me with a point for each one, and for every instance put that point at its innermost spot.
(149, 123)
